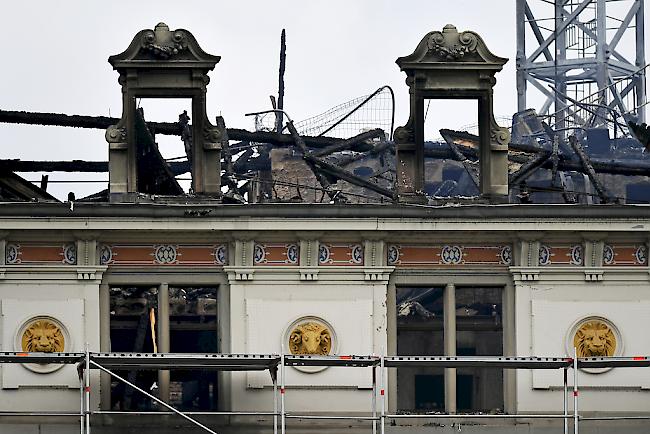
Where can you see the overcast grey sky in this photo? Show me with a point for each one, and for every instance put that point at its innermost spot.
(55, 58)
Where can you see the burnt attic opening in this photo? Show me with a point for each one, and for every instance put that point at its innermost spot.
(161, 63)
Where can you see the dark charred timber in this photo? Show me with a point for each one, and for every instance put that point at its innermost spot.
(336, 196)
(177, 167)
(58, 119)
(450, 135)
(13, 187)
(349, 143)
(600, 165)
(527, 169)
(463, 159)
(432, 150)
(555, 159)
(337, 172)
(586, 164)
(318, 164)
(283, 62)
(378, 149)
(165, 128)
(238, 166)
(154, 175)
(54, 166)
(641, 132)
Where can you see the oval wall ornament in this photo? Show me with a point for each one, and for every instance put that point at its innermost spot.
(310, 335)
(42, 334)
(594, 336)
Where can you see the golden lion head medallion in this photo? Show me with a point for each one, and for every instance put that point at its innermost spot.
(595, 338)
(43, 336)
(310, 338)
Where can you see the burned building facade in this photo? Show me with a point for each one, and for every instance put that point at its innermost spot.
(144, 269)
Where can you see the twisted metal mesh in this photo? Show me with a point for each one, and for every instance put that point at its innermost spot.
(376, 110)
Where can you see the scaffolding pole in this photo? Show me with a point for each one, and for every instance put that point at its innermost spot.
(565, 401)
(575, 391)
(382, 393)
(282, 385)
(87, 391)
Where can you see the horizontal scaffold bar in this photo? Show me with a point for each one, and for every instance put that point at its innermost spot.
(253, 362)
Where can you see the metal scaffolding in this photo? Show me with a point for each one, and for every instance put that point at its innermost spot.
(578, 55)
(276, 364)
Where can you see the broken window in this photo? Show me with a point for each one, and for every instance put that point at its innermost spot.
(135, 327)
(132, 324)
(479, 332)
(420, 333)
(451, 177)
(193, 329)
(157, 151)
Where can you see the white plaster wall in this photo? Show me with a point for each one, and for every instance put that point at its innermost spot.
(545, 311)
(71, 301)
(261, 311)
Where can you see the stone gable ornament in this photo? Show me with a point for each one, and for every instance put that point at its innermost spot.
(449, 64)
(164, 63)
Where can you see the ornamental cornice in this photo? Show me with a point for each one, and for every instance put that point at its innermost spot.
(450, 48)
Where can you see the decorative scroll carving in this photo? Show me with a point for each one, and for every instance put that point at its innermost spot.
(115, 134)
(310, 338)
(451, 45)
(163, 43)
(404, 135)
(43, 336)
(498, 134)
(595, 338)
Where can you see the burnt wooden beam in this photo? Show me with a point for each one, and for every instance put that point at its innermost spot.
(349, 143)
(336, 196)
(600, 165)
(641, 132)
(13, 186)
(54, 166)
(458, 156)
(339, 173)
(432, 150)
(14, 165)
(165, 128)
(56, 119)
(283, 62)
(588, 168)
(527, 169)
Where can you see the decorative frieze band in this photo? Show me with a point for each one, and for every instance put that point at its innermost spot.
(448, 255)
(633, 255)
(329, 254)
(340, 254)
(561, 254)
(33, 253)
(276, 254)
(163, 254)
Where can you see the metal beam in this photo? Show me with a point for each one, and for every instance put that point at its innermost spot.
(624, 26)
(569, 19)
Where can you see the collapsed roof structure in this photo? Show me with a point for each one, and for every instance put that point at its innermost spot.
(271, 164)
